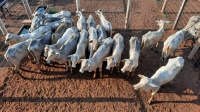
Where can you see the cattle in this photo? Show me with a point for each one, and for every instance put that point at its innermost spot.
(59, 32)
(171, 44)
(162, 76)
(96, 61)
(15, 53)
(131, 64)
(13, 38)
(93, 41)
(90, 22)
(61, 14)
(80, 50)
(152, 38)
(118, 48)
(101, 32)
(81, 23)
(104, 22)
(62, 40)
(37, 45)
(60, 55)
(56, 24)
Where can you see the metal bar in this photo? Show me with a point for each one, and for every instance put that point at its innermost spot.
(3, 28)
(127, 13)
(179, 14)
(194, 50)
(163, 7)
(78, 5)
(27, 8)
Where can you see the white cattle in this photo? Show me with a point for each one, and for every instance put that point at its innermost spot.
(152, 38)
(56, 24)
(104, 22)
(59, 32)
(60, 55)
(37, 45)
(61, 14)
(101, 32)
(13, 38)
(90, 22)
(172, 43)
(93, 41)
(81, 23)
(131, 64)
(15, 53)
(80, 50)
(62, 40)
(96, 61)
(118, 48)
(162, 76)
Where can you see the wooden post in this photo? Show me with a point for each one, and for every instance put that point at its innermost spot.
(78, 5)
(3, 28)
(164, 5)
(194, 50)
(127, 13)
(179, 14)
(27, 8)
(43, 2)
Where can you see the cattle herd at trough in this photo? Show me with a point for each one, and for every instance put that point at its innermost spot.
(56, 37)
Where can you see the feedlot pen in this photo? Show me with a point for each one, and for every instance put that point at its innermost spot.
(53, 89)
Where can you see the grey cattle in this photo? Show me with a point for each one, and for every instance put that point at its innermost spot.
(93, 41)
(60, 55)
(37, 45)
(101, 32)
(96, 61)
(162, 76)
(118, 48)
(131, 64)
(81, 23)
(80, 50)
(90, 22)
(59, 32)
(15, 53)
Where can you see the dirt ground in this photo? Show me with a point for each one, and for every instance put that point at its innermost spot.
(53, 89)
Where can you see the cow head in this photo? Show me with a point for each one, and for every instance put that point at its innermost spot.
(85, 65)
(110, 62)
(99, 12)
(46, 49)
(79, 13)
(145, 84)
(10, 38)
(161, 23)
(52, 55)
(74, 59)
(128, 65)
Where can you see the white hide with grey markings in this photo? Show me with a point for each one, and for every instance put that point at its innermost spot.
(61, 14)
(81, 23)
(90, 22)
(93, 41)
(101, 32)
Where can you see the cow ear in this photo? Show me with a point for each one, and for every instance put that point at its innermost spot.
(123, 60)
(82, 10)
(157, 21)
(153, 85)
(141, 76)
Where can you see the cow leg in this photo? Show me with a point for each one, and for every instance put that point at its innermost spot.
(94, 76)
(91, 52)
(118, 67)
(100, 70)
(156, 50)
(66, 66)
(111, 70)
(152, 47)
(133, 71)
(152, 95)
(70, 66)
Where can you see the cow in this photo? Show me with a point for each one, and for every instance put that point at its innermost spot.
(15, 53)
(80, 50)
(93, 41)
(152, 38)
(60, 55)
(118, 48)
(37, 45)
(81, 23)
(162, 76)
(13, 38)
(90, 22)
(97, 59)
(131, 64)
(101, 32)
(104, 22)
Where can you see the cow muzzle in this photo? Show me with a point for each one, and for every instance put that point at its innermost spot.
(135, 88)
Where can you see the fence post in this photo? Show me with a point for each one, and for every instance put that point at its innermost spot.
(78, 5)
(3, 28)
(27, 8)
(127, 13)
(43, 2)
(179, 14)
(164, 5)
(194, 50)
